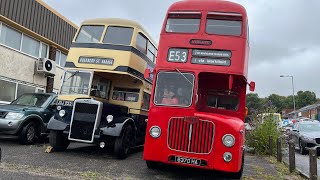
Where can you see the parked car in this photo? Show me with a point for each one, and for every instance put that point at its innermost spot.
(306, 134)
(27, 116)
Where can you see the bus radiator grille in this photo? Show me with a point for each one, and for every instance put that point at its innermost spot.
(84, 118)
(190, 136)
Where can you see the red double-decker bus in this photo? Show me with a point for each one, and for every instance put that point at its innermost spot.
(197, 109)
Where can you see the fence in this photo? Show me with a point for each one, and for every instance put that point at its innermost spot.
(288, 142)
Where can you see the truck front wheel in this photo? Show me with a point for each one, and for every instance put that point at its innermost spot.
(58, 141)
(123, 143)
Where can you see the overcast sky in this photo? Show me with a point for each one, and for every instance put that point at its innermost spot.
(284, 35)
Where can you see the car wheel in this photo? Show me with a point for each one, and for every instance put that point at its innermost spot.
(58, 141)
(152, 164)
(123, 143)
(302, 148)
(28, 134)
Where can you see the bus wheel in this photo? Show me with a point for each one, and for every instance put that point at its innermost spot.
(238, 175)
(58, 141)
(152, 164)
(122, 143)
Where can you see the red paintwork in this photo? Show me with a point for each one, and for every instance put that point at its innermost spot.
(225, 122)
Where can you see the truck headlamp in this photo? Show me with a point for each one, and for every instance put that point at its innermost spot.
(155, 131)
(14, 115)
(62, 113)
(109, 118)
(228, 140)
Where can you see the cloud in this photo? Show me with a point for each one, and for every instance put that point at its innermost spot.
(284, 35)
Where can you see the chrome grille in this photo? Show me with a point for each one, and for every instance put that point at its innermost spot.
(189, 134)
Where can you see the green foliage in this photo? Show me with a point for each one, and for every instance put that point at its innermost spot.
(302, 99)
(258, 137)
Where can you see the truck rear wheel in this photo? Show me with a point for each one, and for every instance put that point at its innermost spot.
(58, 141)
(123, 143)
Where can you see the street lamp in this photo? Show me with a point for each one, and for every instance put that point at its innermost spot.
(294, 103)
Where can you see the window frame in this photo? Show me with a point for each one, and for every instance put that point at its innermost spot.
(167, 105)
(21, 41)
(125, 92)
(156, 51)
(59, 59)
(165, 29)
(144, 102)
(227, 14)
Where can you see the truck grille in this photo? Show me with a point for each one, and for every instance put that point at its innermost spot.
(189, 134)
(83, 122)
(3, 114)
(318, 140)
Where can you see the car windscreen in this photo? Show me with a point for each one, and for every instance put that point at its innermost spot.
(90, 34)
(310, 127)
(35, 100)
(118, 35)
(174, 89)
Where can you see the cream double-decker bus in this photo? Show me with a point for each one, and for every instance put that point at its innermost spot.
(104, 97)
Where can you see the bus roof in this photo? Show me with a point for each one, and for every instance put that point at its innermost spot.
(207, 5)
(120, 22)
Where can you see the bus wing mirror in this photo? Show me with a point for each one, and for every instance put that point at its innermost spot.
(147, 73)
(252, 86)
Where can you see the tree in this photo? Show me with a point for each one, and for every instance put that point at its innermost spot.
(305, 98)
(277, 101)
(254, 102)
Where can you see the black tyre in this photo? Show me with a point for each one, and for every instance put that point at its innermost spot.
(152, 164)
(238, 175)
(123, 143)
(302, 148)
(58, 141)
(28, 134)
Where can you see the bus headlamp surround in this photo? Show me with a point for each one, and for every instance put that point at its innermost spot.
(228, 140)
(155, 131)
(62, 113)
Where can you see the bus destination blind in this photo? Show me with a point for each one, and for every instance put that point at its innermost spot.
(211, 61)
(93, 60)
(211, 53)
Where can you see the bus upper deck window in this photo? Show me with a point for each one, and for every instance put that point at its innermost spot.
(118, 35)
(183, 22)
(90, 34)
(224, 23)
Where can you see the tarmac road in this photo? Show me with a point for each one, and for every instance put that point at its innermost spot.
(83, 161)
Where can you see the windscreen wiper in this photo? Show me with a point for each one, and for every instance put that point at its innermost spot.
(184, 76)
(75, 73)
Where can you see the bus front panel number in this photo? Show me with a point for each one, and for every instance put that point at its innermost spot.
(178, 55)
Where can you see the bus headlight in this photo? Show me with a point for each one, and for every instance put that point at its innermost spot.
(155, 131)
(62, 113)
(228, 140)
(109, 118)
(227, 157)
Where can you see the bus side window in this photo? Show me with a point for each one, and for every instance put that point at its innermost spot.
(146, 101)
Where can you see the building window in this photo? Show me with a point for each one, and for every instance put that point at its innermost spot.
(141, 43)
(10, 37)
(22, 42)
(10, 91)
(7, 91)
(44, 50)
(61, 58)
(22, 89)
(30, 46)
(146, 101)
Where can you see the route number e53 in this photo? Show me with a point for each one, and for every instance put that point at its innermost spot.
(177, 55)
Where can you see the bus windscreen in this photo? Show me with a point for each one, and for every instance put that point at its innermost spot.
(90, 34)
(180, 25)
(118, 35)
(224, 27)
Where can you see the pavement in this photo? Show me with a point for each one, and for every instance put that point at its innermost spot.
(83, 161)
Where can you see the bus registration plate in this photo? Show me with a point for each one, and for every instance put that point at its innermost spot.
(185, 160)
